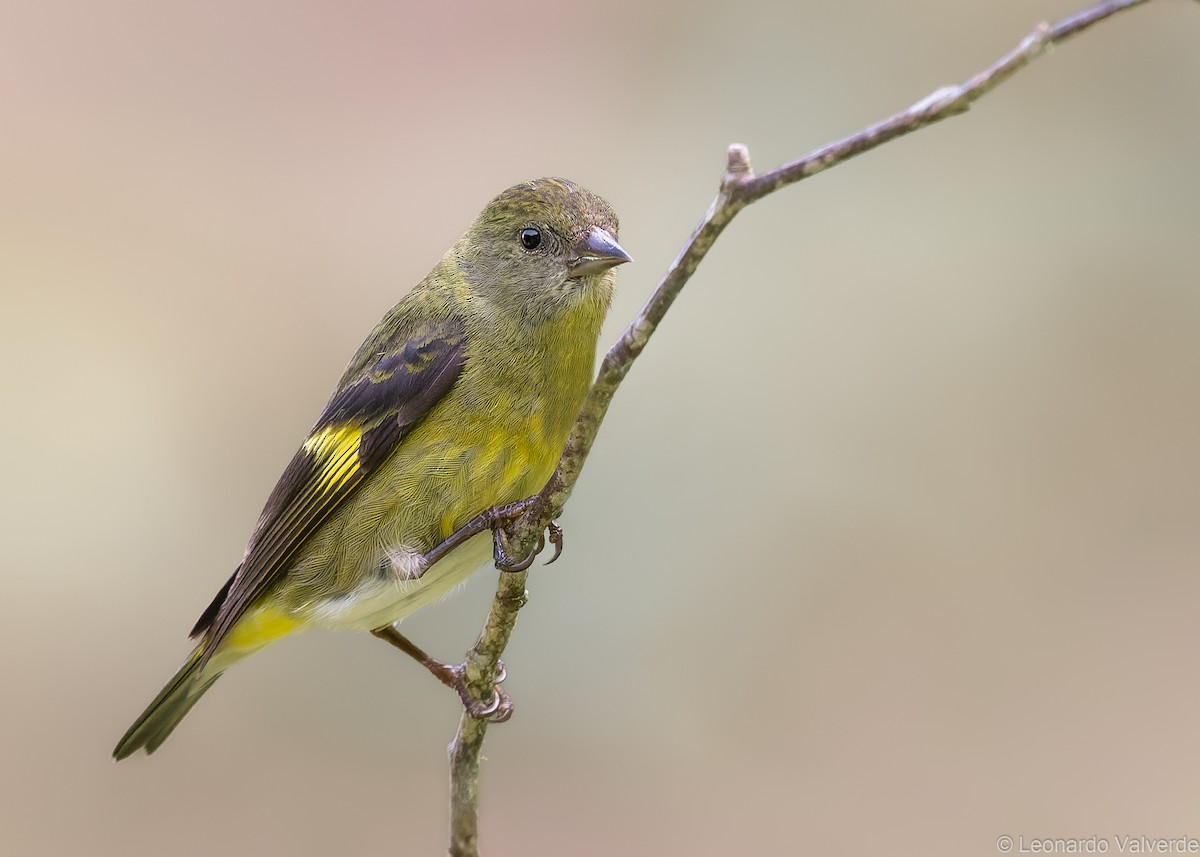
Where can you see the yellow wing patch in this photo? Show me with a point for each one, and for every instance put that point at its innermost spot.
(337, 450)
(390, 388)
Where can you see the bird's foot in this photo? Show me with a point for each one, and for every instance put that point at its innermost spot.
(502, 550)
(496, 709)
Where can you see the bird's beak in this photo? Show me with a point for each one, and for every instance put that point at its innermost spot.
(598, 252)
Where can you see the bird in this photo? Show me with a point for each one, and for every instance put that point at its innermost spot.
(459, 401)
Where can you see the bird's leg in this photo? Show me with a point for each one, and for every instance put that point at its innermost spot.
(490, 519)
(495, 519)
(496, 710)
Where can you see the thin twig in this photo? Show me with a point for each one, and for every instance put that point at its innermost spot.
(481, 663)
(739, 188)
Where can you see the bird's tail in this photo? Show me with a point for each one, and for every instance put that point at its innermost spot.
(174, 701)
(254, 631)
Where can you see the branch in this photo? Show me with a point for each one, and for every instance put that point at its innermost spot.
(739, 188)
(481, 666)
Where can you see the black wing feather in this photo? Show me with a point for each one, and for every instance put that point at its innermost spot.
(379, 407)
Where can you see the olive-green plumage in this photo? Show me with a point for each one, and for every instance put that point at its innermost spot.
(461, 399)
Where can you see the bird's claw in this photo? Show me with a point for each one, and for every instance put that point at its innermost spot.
(501, 550)
(502, 557)
(556, 539)
(496, 709)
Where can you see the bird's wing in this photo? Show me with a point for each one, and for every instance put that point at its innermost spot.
(362, 424)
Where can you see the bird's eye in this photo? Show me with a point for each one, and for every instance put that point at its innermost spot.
(531, 237)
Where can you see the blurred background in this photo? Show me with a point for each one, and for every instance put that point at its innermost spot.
(889, 543)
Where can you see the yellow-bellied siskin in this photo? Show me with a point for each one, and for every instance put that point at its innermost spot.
(460, 400)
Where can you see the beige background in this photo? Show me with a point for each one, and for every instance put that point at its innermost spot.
(889, 546)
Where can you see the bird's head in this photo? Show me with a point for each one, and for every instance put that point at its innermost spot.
(542, 246)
